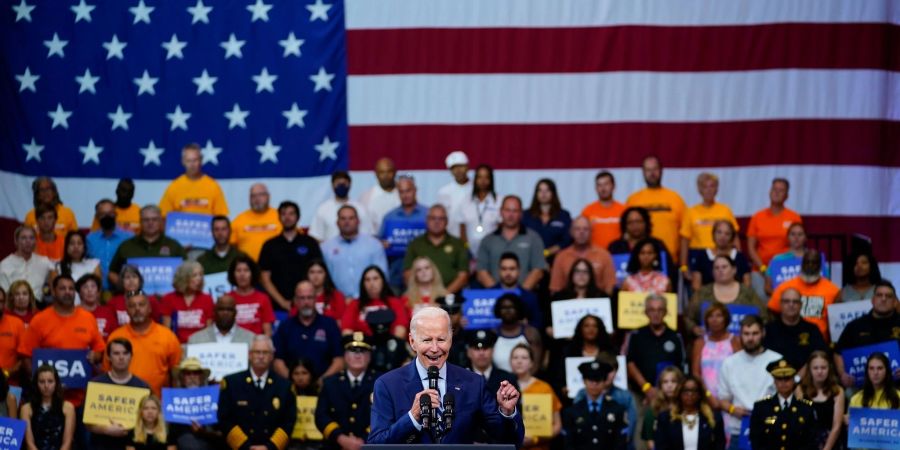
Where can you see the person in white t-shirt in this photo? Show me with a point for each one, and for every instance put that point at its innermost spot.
(383, 197)
(453, 194)
(323, 226)
(480, 212)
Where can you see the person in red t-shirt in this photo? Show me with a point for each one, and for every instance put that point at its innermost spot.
(330, 302)
(375, 294)
(188, 309)
(132, 281)
(88, 287)
(254, 308)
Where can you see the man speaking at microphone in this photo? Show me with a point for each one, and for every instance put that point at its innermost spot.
(406, 410)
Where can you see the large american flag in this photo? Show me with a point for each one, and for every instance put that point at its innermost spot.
(750, 90)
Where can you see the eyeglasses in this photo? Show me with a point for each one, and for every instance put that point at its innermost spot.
(134, 293)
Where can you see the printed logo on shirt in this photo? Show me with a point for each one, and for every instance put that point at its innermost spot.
(260, 228)
(190, 318)
(895, 332)
(658, 208)
(557, 224)
(165, 250)
(302, 250)
(786, 224)
(246, 313)
(604, 220)
(80, 330)
(320, 336)
(803, 339)
(669, 346)
(123, 317)
(6, 334)
(195, 202)
(101, 324)
(813, 306)
(524, 244)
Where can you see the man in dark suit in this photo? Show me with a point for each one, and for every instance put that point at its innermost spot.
(257, 410)
(596, 422)
(343, 409)
(783, 420)
(396, 414)
(480, 351)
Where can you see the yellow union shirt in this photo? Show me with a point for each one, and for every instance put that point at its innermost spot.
(698, 223)
(200, 196)
(250, 230)
(666, 212)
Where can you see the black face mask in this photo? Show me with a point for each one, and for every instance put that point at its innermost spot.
(108, 223)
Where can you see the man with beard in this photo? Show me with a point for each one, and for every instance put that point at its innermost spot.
(665, 205)
(323, 226)
(103, 243)
(744, 378)
(220, 257)
(816, 292)
(308, 335)
(881, 324)
(253, 227)
(283, 259)
(223, 328)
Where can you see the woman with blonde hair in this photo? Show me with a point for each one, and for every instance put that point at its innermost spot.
(692, 423)
(20, 301)
(188, 308)
(820, 385)
(150, 431)
(666, 386)
(424, 284)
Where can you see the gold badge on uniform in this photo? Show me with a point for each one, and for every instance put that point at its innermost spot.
(611, 417)
(895, 332)
(804, 339)
(276, 403)
(448, 249)
(801, 419)
(771, 420)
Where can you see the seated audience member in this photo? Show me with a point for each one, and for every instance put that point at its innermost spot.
(409, 215)
(132, 282)
(323, 226)
(878, 390)
(644, 270)
(696, 226)
(453, 194)
(253, 227)
(303, 380)
(447, 252)
(512, 237)
(191, 374)
(114, 436)
(700, 263)
(20, 301)
(860, 275)
(187, 309)
(635, 226)
(691, 423)
(605, 214)
(24, 264)
(792, 336)
(8, 406)
(384, 196)
(388, 351)
(88, 288)
(601, 261)
(712, 347)
(580, 283)
(330, 302)
(596, 416)
(878, 325)
(103, 242)
(49, 418)
(652, 347)
(374, 294)
(523, 365)
(743, 376)
(767, 231)
(514, 330)
(48, 243)
(816, 292)
(479, 212)
(667, 384)
(349, 253)
(12, 332)
(508, 277)
(46, 194)
(423, 285)
(724, 289)
(224, 328)
(452, 303)
(480, 350)
(149, 243)
(283, 258)
(589, 339)
(156, 349)
(193, 191)
(254, 309)
(821, 386)
(548, 219)
(796, 236)
(220, 257)
(301, 337)
(150, 431)
(666, 206)
(74, 263)
(126, 214)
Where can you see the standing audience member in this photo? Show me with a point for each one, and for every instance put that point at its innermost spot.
(880, 324)
(191, 374)
(115, 435)
(187, 309)
(283, 258)
(323, 226)
(791, 336)
(193, 191)
(374, 295)
(860, 274)
(644, 270)
(816, 292)
(49, 418)
(666, 207)
(150, 431)
(24, 264)
(103, 242)
(423, 285)
(548, 219)
(74, 263)
(782, 420)
(596, 422)
(49, 243)
(652, 347)
(45, 193)
(383, 196)
(523, 365)
(307, 335)
(696, 227)
(582, 248)
(509, 281)
(224, 329)
(303, 380)
(218, 258)
(636, 226)
(20, 301)
(878, 391)
(453, 194)
(330, 302)
(821, 386)
(447, 252)
(514, 330)
(700, 262)
(712, 348)
(692, 423)
(88, 288)
(253, 227)
(149, 243)
(132, 282)
(767, 231)
(128, 213)
(254, 309)
(409, 216)
(604, 214)
(348, 254)
(480, 212)
(724, 289)
(512, 237)
(668, 383)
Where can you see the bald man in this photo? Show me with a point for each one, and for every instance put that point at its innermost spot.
(383, 197)
(253, 227)
(582, 248)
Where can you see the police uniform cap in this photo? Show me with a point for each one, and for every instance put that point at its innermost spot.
(595, 370)
(781, 369)
(357, 340)
(481, 339)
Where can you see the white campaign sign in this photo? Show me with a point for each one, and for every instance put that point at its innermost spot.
(567, 313)
(840, 314)
(574, 382)
(221, 359)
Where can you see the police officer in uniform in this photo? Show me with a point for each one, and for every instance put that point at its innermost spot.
(452, 303)
(345, 402)
(256, 406)
(388, 352)
(782, 421)
(596, 422)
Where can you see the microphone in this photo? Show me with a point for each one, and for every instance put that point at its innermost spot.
(433, 375)
(449, 403)
(425, 411)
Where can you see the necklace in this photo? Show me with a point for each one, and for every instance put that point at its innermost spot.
(690, 420)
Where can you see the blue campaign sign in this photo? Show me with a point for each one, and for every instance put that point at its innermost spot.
(12, 434)
(855, 359)
(478, 309)
(744, 440)
(188, 405)
(783, 269)
(72, 365)
(399, 233)
(157, 272)
(738, 312)
(194, 230)
(874, 428)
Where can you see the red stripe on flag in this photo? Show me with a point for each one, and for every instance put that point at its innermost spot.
(718, 144)
(623, 48)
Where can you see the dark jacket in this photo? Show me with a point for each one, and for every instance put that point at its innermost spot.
(667, 434)
(606, 430)
(249, 416)
(344, 410)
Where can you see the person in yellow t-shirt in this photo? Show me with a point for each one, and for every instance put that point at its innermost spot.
(45, 193)
(194, 191)
(697, 225)
(666, 207)
(604, 214)
(253, 227)
(128, 214)
(878, 392)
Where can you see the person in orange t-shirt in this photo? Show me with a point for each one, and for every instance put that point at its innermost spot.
(156, 349)
(816, 291)
(45, 193)
(194, 191)
(128, 214)
(605, 213)
(49, 243)
(12, 332)
(665, 205)
(768, 229)
(253, 227)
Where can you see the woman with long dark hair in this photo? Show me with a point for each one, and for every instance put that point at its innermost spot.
(692, 423)
(254, 308)
(375, 294)
(480, 213)
(75, 262)
(50, 419)
(820, 385)
(547, 218)
(878, 391)
(644, 267)
(330, 302)
(861, 273)
(635, 226)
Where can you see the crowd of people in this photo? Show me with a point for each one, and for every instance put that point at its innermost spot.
(325, 311)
